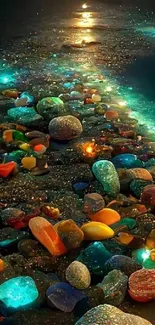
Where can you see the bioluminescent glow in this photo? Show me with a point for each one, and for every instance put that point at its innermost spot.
(6, 79)
(84, 6)
(108, 89)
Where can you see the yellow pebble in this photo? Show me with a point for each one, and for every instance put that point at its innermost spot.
(96, 231)
(24, 146)
(29, 162)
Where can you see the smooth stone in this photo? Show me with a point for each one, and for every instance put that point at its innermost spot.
(126, 160)
(63, 296)
(140, 173)
(114, 286)
(150, 240)
(106, 216)
(19, 136)
(137, 187)
(106, 174)
(65, 127)
(51, 107)
(18, 293)
(78, 275)
(110, 315)
(149, 264)
(123, 263)
(47, 236)
(7, 168)
(28, 162)
(142, 285)
(20, 112)
(30, 99)
(35, 134)
(96, 231)
(93, 202)
(70, 234)
(148, 195)
(21, 102)
(94, 257)
(128, 222)
(15, 156)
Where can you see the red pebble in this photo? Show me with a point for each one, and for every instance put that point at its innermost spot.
(142, 285)
(7, 169)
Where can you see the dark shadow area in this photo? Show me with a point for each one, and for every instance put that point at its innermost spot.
(141, 75)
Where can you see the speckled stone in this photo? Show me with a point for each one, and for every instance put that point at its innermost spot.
(16, 113)
(123, 263)
(110, 315)
(106, 174)
(114, 286)
(65, 127)
(93, 202)
(142, 285)
(51, 107)
(140, 173)
(137, 186)
(77, 274)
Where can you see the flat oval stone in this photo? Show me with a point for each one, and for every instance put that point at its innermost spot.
(142, 285)
(17, 113)
(123, 263)
(94, 257)
(65, 128)
(114, 286)
(126, 160)
(107, 216)
(140, 173)
(96, 231)
(78, 275)
(110, 315)
(106, 174)
(63, 296)
(18, 293)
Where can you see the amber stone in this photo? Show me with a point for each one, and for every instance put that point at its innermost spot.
(70, 233)
(96, 231)
(106, 215)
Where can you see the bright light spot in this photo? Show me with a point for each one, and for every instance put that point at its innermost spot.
(108, 88)
(89, 149)
(122, 103)
(5, 80)
(86, 15)
(84, 6)
(145, 255)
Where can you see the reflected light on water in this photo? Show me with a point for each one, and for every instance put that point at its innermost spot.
(84, 6)
(86, 15)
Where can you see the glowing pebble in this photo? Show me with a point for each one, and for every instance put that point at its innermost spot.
(18, 292)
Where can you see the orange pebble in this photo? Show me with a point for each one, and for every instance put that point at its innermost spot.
(7, 169)
(2, 266)
(111, 115)
(106, 216)
(125, 238)
(47, 236)
(40, 148)
(8, 135)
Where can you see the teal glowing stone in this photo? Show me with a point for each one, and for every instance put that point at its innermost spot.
(106, 174)
(18, 292)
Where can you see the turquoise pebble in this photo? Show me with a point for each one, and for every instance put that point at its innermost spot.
(18, 292)
(20, 112)
(129, 222)
(94, 257)
(106, 174)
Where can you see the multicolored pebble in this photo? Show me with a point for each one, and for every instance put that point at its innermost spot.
(110, 315)
(106, 174)
(93, 202)
(28, 162)
(140, 173)
(142, 285)
(96, 231)
(114, 286)
(70, 233)
(78, 275)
